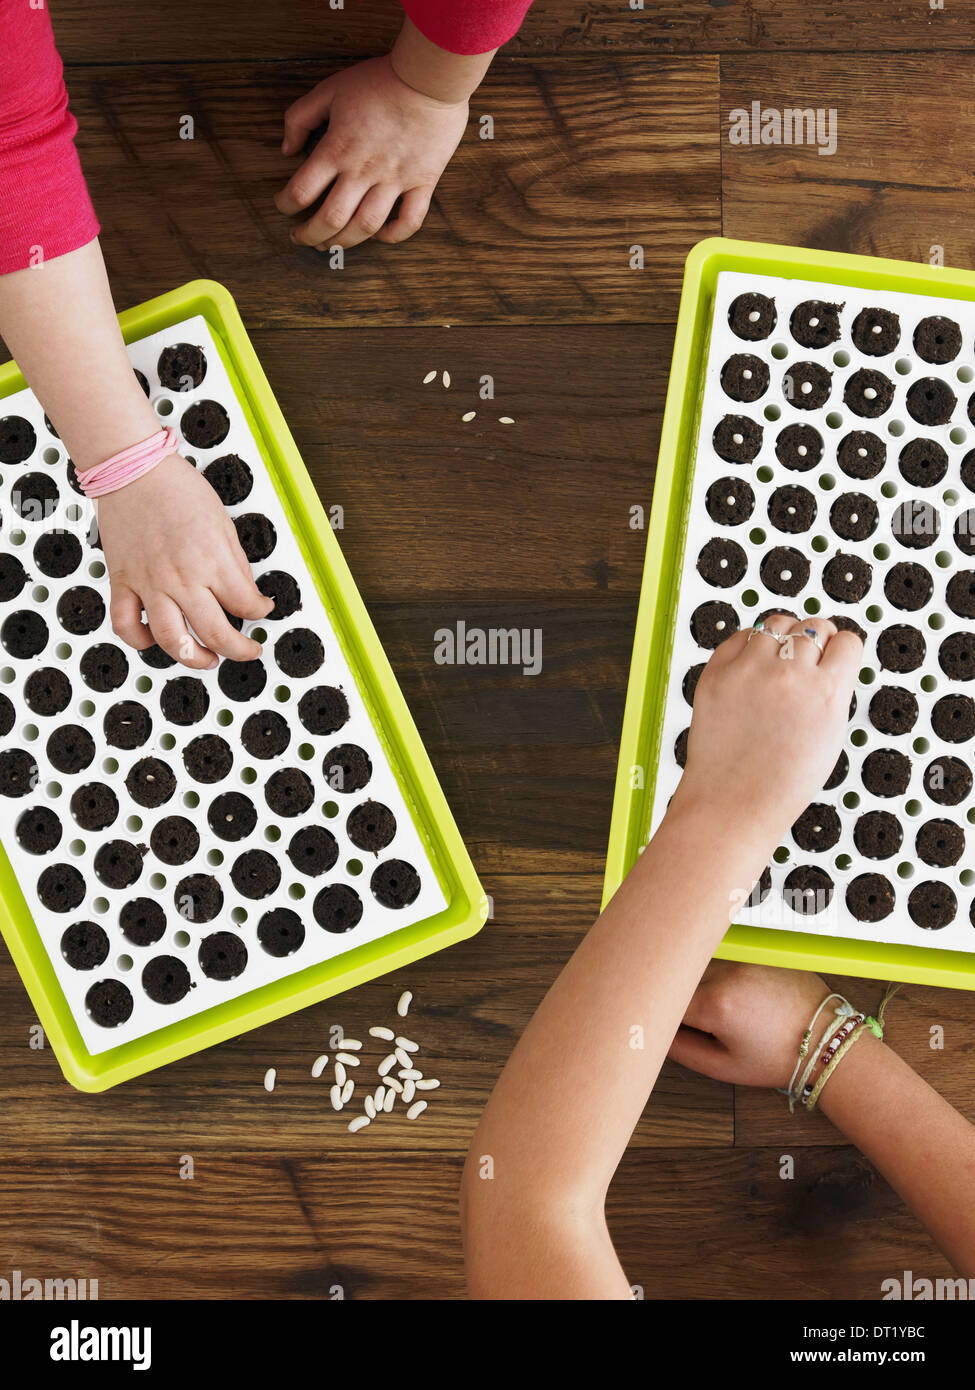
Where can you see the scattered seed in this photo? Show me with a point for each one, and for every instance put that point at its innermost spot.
(379, 1097)
(349, 1059)
(403, 1005)
(389, 1101)
(351, 1045)
(347, 1090)
(319, 1065)
(269, 1078)
(336, 1097)
(403, 1057)
(396, 1087)
(428, 378)
(385, 1033)
(370, 1107)
(446, 379)
(407, 1045)
(409, 1091)
(427, 1084)
(416, 1110)
(409, 1074)
(505, 420)
(386, 1064)
(469, 416)
(340, 1073)
(358, 1123)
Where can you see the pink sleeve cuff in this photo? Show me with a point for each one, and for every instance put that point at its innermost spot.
(467, 26)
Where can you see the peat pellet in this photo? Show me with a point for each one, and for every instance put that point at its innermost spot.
(208, 758)
(313, 850)
(792, 509)
(807, 385)
(799, 447)
(870, 897)
(256, 535)
(230, 478)
(737, 439)
(80, 610)
(680, 747)
(947, 780)
(712, 622)
(155, 657)
(255, 874)
(915, 524)
(300, 652)
(181, 367)
(953, 718)
(846, 578)
(730, 501)
(18, 772)
(265, 734)
(844, 623)
(893, 710)
(923, 462)
(142, 379)
(198, 898)
(839, 774)
(57, 554)
(166, 980)
(118, 863)
(744, 377)
(965, 532)
(232, 816)
(960, 594)
(174, 840)
(13, 577)
(150, 782)
(70, 748)
(347, 767)
(17, 439)
(371, 826)
(109, 1003)
(900, 648)
(184, 699)
(222, 956)
(807, 889)
(956, 656)
(280, 932)
(289, 792)
(104, 667)
(205, 424)
(853, 516)
(931, 401)
(84, 945)
(752, 316)
(689, 683)
(323, 710)
(283, 589)
(127, 725)
(878, 835)
(937, 340)
(815, 324)
(861, 455)
(395, 883)
(34, 497)
(94, 806)
(868, 393)
(940, 843)
(38, 830)
(908, 586)
(142, 921)
(24, 634)
(337, 908)
(47, 691)
(817, 829)
(968, 470)
(60, 888)
(8, 716)
(886, 772)
(242, 680)
(761, 889)
(722, 562)
(932, 905)
(876, 332)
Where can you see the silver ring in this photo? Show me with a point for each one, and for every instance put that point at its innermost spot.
(811, 635)
(759, 627)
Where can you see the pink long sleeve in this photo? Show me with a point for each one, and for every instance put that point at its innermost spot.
(467, 26)
(45, 210)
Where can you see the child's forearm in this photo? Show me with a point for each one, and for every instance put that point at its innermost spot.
(427, 68)
(922, 1146)
(58, 321)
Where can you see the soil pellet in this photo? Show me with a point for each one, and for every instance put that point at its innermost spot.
(265, 734)
(283, 590)
(127, 725)
(876, 332)
(205, 424)
(232, 816)
(34, 497)
(807, 385)
(143, 921)
(299, 653)
(181, 367)
(923, 462)
(931, 401)
(915, 524)
(13, 577)
(722, 562)
(947, 780)
(94, 806)
(70, 749)
(838, 776)
(198, 898)
(953, 718)
(257, 536)
(932, 905)
(815, 323)
(968, 470)
(737, 439)
(854, 516)
(761, 889)
(184, 700)
(222, 956)
(791, 509)
(18, 772)
(347, 768)
(870, 897)
(752, 316)
(208, 758)
(878, 835)
(39, 830)
(338, 908)
(230, 478)
(104, 668)
(886, 772)
(80, 610)
(861, 455)
(799, 447)
(56, 554)
(395, 883)
(109, 1003)
(155, 657)
(846, 578)
(371, 826)
(908, 586)
(940, 843)
(150, 782)
(323, 710)
(901, 648)
(313, 850)
(817, 829)
(712, 622)
(289, 792)
(730, 501)
(868, 393)
(8, 716)
(956, 656)
(166, 980)
(85, 945)
(24, 634)
(808, 889)
(61, 888)
(255, 874)
(960, 594)
(118, 863)
(893, 710)
(17, 439)
(965, 532)
(174, 840)
(937, 340)
(784, 570)
(280, 932)
(689, 683)
(744, 377)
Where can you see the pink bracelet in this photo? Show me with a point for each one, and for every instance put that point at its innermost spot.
(128, 465)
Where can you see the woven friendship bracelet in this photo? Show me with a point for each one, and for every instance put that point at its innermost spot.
(127, 465)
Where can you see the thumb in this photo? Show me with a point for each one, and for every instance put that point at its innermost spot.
(699, 1052)
(303, 115)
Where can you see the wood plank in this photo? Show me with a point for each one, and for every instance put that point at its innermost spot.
(626, 149)
(900, 181)
(471, 1005)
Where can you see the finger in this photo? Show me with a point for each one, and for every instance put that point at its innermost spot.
(728, 650)
(307, 183)
(842, 656)
(303, 115)
(370, 216)
(806, 640)
(762, 645)
(699, 1051)
(236, 591)
(169, 629)
(335, 213)
(205, 616)
(413, 209)
(125, 611)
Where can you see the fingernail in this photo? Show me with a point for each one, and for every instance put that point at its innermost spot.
(213, 664)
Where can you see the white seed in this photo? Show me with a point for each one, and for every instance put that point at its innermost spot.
(409, 1091)
(387, 1064)
(428, 378)
(351, 1045)
(394, 1086)
(416, 1110)
(380, 1097)
(405, 1000)
(336, 1097)
(347, 1090)
(349, 1059)
(403, 1057)
(505, 420)
(340, 1073)
(407, 1045)
(319, 1065)
(469, 416)
(370, 1107)
(385, 1033)
(409, 1074)
(446, 379)
(389, 1101)
(427, 1084)
(269, 1078)
(358, 1123)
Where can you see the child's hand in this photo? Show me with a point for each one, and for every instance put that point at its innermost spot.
(172, 550)
(768, 723)
(384, 141)
(745, 1023)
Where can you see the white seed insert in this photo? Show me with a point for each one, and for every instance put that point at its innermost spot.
(835, 476)
(184, 837)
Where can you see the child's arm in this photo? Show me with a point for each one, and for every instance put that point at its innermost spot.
(393, 124)
(764, 739)
(744, 1025)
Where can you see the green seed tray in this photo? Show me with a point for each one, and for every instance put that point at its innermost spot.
(394, 730)
(650, 673)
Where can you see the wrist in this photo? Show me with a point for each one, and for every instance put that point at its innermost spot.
(859, 1072)
(447, 78)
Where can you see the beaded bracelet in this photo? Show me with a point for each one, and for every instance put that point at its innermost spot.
(844, 1009)
(875, 1025)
